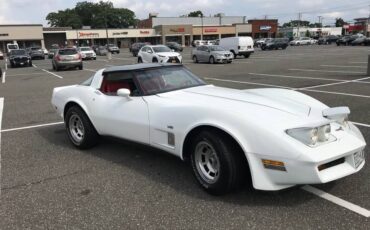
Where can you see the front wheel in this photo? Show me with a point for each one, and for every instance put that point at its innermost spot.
(139, 60)
(212, 60)
(195, 59)
(80, 130)
(217, 163)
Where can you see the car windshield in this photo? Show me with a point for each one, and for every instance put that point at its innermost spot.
(85, 49)
(12, 47)
(216, 48)
(160, 49)
(67, 52)
(18, 52)
(160, 80)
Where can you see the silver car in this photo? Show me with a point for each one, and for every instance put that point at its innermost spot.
(67, 58)
(212, 54)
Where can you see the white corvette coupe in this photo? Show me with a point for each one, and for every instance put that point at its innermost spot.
(276, 137)
(158, 53)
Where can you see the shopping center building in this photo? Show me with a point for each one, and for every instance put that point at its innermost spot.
(25, 35)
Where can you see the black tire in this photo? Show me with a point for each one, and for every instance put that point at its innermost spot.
(80, 67)
(247, 55)
(155, 60)
(263, 47)
(284, 47)
(212, 60)
(94, 58)
(90, 137)
(233, 168)
(30, 64)
(195, 59)
(233, 52)
(139, 60)
(57, 68)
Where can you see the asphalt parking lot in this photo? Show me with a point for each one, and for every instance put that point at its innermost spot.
(47, 183)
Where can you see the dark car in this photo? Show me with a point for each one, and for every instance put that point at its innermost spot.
(327, 40)
(174, 46)
(19, 58)
(136, 47)
(346, 40)
(52, 50)
(359, 41)
(274, 44)
(36, 53)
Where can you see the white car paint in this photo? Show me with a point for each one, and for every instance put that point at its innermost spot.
(303, 41)
(147, 54)
(257, 119)
(86, 52)
(238, 45)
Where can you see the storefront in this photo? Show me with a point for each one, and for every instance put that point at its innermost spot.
(213, 32)
(264, 28)
(24, 35)
(181, 34)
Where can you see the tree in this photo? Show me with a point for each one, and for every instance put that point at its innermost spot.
(296, 23)
(339, 22)
(96, 15)
(195, 13)
(308, 34)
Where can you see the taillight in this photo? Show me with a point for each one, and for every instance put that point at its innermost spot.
(58, 58)
(79, 56)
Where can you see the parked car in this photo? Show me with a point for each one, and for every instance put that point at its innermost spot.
(11, 46)
(359, 41)
(46, 52)
(277, 137)
(95, 47)
(101, 51)
(274, 44)
(302, 41)
(36, 53)
(67, 58)
(174, 46)
(158, 53)
(113, 48)
(239, 46)
(52, 50)
(212, 54)
(196, 43)
(136, 47)
(327, 40)
(346, 40)
(87, 53)
(262, 41)
(1, 55)
(19, 58)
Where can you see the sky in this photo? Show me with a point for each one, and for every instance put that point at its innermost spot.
(35, 11)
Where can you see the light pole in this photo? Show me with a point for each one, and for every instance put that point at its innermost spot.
(201, 16)
(106, 26)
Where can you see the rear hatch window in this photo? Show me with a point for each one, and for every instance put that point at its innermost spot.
(68, 52)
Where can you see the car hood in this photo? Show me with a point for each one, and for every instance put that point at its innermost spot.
(168, 54)
(276, 99)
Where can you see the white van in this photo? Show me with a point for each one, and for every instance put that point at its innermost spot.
(11, 46)
(239, 46)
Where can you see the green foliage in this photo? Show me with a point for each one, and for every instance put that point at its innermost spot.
(339, 22)
(296, 23)
(308, 34)
(96, 15)
(195, 13)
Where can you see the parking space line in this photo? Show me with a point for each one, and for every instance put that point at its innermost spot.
(361, 124)
(336, 200)
(56, 75)
(344, 66)
(336, 83)
(336, 93)
(34, 65)
(3, 77)
(247, 82)
(298, 77)
(326, 71)
(91, 70)
(357, 62)
(31, 127)
(24, 74)
(1, 116)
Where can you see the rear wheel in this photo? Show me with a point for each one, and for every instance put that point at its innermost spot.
(247, 55)
(80, 130)
(155, 60)
(195, 59)
(217, 163)
(80, 67)
(139, 60)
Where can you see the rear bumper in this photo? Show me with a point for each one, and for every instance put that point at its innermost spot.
(69, 64)
(248, 52)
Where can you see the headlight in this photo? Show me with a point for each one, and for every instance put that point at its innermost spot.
(180, 57)
(161, 56)
(312, 136)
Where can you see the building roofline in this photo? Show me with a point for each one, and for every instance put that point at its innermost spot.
(20, 25)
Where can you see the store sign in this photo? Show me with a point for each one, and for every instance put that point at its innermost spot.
(144, 32)
(120, 33)
(4, 35)
(210, 30)
(265, 28)
(88, 35)
(177, 30)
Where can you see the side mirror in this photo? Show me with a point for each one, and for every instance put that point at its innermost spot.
(149, 51)
(123, 92)
(172, 50)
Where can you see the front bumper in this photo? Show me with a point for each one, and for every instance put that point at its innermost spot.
(20, 62)
(223, 59)
(338, 159)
